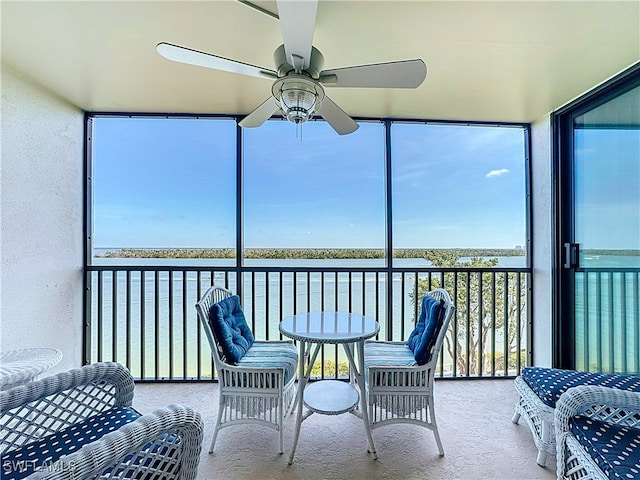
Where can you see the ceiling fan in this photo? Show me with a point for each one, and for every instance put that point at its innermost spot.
(299, 78)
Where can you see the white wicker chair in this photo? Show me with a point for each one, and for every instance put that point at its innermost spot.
(609, 405)
(70, 409)
(251, 393)
(403, 393)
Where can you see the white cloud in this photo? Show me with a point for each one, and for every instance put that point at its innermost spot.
(497, 173)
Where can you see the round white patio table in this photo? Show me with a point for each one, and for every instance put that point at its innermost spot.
(331, 397)
(18, 367)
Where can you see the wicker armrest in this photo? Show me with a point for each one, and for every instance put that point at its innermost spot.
(581, 454)
(37, 409)
(109, 373)
(161, 445)
(601, 403)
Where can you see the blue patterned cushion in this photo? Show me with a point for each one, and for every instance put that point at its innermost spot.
(230, 328)
(424, 336)
(272, 355)
(550, 383)
(387, 354)
(615, 449)
(36, 456)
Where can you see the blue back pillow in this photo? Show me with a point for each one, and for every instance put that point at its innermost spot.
(424, 335)
(230, 329)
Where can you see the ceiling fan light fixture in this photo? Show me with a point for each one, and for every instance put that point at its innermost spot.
(298, 104)
(298, 97)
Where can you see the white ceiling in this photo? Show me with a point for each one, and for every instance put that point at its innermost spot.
(503, 61)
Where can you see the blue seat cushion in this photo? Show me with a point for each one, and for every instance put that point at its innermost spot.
(272, 355)
(614, 448)
(549, 383)
(424, 335)
(232, 334)
(36, 456)
(387, 354)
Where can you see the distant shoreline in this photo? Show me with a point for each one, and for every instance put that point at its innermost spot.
(302, 253)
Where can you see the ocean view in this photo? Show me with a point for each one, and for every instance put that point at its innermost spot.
(156, 327)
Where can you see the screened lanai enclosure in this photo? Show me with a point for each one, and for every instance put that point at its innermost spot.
(294, 219)
(300, 219)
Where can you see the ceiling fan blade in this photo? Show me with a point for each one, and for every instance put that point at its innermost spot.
(342, 123)
(260, 114)
(259, 8)
(402, 74)
(180, 54)
(297, 22)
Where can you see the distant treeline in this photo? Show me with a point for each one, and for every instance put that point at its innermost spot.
(306, 253)
(622, 253)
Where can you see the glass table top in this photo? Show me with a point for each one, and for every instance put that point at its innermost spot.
(329, 327)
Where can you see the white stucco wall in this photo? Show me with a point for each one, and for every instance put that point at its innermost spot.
(41, 217)
(542, 240)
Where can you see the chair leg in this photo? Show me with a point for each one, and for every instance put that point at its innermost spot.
(435, 427)
(541, 459)
(213, 440)
(438, 442)
(546, 440)
(281, 421)
(216, 429)
(516, 417)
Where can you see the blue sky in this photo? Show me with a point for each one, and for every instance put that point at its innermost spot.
(171, 183)
(607, 188)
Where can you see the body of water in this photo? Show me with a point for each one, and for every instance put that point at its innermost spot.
(153, 319)
(153, 312)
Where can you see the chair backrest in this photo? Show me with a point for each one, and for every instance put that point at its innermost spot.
(213, 295)
(442, 294)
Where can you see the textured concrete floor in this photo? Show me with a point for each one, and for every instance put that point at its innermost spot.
(474, 418)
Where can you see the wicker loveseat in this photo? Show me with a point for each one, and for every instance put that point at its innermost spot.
(540, 388)
(80, 425)
(598, 434)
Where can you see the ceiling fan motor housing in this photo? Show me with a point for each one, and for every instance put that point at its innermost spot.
(283, 66)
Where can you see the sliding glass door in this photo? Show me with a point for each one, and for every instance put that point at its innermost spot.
(598, 242)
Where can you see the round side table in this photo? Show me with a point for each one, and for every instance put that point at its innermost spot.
(18, 367)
